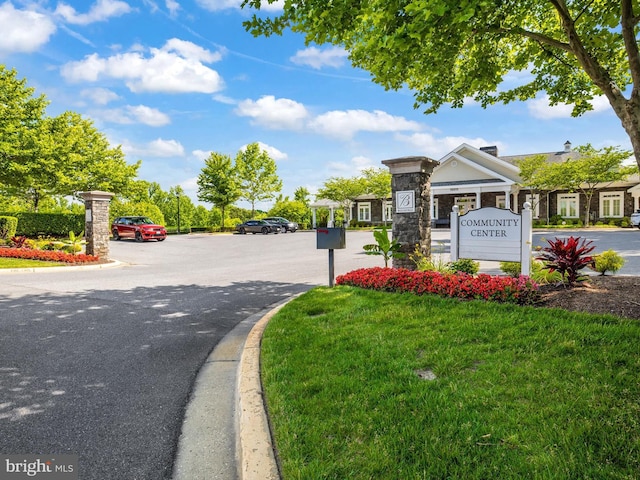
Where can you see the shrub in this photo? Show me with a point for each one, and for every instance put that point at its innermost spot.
(625, 222)
(433, 263)
(607, 261)
(520, 290)
(567, 257)
(465, 265)
(555, 220)
(542, 275)
(510, 268)
(8, 226)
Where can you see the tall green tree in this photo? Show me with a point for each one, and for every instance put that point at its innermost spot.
(377, 182)
(20, 118)
(449, 51)
(42, 157)
(218, 183)
(302, 195)
(596, 169)
(540, 177)
(344, 191)
(256, 172)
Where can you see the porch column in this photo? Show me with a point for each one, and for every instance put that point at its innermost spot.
(478, 199)
(331, 221)
(432, 212)
(313, 217)
(411, 200)
(96, 222)
(507, 199)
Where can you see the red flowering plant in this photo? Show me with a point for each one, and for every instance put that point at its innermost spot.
(521, 290)
(568, 257)
(47, 255)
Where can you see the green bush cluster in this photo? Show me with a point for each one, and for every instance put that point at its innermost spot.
(53, 224)
(8, 226)
(608, 261)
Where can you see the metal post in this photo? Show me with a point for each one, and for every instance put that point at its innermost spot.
(331, 274)
(178, 197)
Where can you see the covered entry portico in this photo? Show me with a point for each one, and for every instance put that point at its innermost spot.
(471, 179)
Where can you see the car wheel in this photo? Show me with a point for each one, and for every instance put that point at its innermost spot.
(115, 234)
(138, 237)
(284, 229)
(242, 231)
(162, 239)
(265, 230)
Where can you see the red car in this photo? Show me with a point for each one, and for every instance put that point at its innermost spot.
(139, 228)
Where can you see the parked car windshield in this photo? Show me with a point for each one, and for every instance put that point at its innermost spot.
(142, 220)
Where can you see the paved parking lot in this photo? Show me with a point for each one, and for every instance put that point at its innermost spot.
(101, 362)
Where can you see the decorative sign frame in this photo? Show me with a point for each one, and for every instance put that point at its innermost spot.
(406, 201)
(491, 233)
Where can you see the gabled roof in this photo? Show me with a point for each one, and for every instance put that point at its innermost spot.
(466, 164)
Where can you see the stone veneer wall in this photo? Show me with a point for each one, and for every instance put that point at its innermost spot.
(97, 228)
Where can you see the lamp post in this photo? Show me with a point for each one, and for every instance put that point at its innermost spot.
(178, 197)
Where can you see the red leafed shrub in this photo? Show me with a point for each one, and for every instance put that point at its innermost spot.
(520, 290)
(568, 257)
(47, 255)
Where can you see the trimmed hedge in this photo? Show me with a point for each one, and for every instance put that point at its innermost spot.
(53, 224)
(8, 226)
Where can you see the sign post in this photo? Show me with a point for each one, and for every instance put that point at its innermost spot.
(493, 234)
(330, 239)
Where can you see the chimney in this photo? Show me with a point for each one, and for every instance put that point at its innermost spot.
(492, 150)
(567, 146)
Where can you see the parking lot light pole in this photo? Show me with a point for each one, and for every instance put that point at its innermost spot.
(178, 197)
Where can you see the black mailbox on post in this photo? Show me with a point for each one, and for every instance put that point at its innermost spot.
(331, 238)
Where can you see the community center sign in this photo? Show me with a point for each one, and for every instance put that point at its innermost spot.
(491, 233)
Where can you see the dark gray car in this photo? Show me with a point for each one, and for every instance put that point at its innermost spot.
(257, 226)
(285, 225)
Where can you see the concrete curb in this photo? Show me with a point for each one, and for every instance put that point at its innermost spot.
(97, 266)
(255, 447)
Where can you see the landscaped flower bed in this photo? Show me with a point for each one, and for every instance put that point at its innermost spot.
(520, 290)
(48, 255)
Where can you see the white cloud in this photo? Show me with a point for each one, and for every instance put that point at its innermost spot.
(345, 124)
(316, 58)
(224, 99)
(431, 146)
(101, 11)
(201, 154)
(177, 67)
(99, 96)
(23, 30)
(173, 7)
(540, 108)
(270, 112)
(273, 152)
(216, 5)
(155, 148)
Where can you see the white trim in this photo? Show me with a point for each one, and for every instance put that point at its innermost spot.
(387, 210)
(364, 208)
(572, 199)
(535, 201)
(501, 201)
(610, 198)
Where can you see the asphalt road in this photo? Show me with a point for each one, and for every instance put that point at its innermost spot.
(100, 363)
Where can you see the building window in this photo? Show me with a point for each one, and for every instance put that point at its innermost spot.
(568, 205)
(611, 204)
(388, 211)
(501, 201)
(465, 204)
(364, 212)
(534, 200)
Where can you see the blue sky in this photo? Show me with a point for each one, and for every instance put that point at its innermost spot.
(172, 80)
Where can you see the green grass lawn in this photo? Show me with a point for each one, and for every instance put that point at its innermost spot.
(372, 385)
(21, 263)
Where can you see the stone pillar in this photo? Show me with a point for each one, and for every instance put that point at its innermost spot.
(411, 198)
(96, 221)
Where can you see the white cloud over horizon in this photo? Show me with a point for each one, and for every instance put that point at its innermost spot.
(101, 11)
(316, 58)
(23, 30)
(177, 67)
